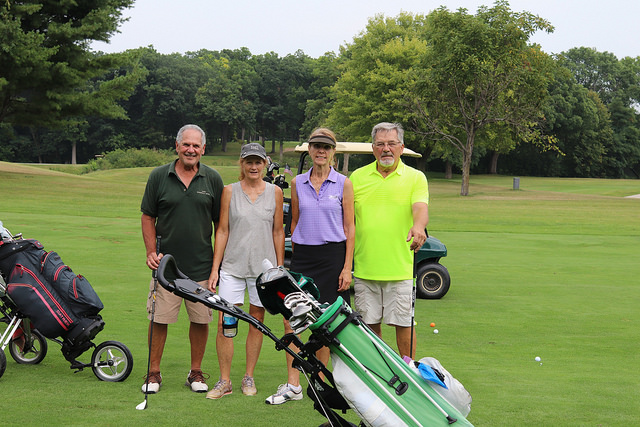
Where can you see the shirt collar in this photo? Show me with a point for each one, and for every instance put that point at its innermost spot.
(172, 168)
(333, 175)
(399, 170)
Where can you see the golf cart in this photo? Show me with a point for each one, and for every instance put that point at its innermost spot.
(432, 278)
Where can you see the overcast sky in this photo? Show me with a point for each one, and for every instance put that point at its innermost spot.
(319, 26)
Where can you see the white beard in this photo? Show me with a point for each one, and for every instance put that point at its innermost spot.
(387, 161)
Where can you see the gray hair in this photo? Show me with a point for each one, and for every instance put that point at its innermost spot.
(194, 127)
(386, 126)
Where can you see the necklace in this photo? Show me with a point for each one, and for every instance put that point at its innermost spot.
(317, 182)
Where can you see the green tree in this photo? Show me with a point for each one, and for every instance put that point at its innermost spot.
(282, 92)
(165, 99)
(378, 70)
(617, 83)
(243, 72)
(227, 101)
(623, 153)
(580, 121)
(325, 73)
(271, 88)
(480, 71)
(48, 72)
(298, 69)
(14, 145)
(602, 73)
(498, 139)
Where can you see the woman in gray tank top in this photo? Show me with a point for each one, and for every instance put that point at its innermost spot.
(250, 230)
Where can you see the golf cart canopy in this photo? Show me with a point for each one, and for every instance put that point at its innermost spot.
(346, 149)
(355, 148)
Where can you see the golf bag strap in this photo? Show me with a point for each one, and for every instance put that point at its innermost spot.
(351, 317)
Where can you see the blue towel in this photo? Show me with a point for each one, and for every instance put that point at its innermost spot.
(428, 374)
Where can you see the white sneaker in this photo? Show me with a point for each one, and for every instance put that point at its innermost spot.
(284, 394)
(197, 380)
(152, 383)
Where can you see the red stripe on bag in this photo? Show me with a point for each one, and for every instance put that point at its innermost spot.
(44, 301)
(44, 288)
(55, 276)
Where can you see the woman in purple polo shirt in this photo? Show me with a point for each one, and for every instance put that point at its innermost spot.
(322, 221)
(323, 234)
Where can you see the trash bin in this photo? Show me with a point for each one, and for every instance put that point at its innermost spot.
(516, 183)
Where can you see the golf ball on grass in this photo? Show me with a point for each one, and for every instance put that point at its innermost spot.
(435, 331)
(538, 359)
(432, 324)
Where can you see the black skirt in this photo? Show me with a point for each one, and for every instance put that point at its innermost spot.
(322, 263)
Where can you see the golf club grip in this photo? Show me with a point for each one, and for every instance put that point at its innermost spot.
(154, 273)
(414, 266)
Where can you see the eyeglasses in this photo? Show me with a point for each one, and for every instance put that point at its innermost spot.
(325, 147)
(392, 144)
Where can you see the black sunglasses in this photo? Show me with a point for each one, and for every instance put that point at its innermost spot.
(325, 147)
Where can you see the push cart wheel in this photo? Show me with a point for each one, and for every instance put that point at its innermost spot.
(112, 361)
(432, 281)
(29, 351)
(3, 363)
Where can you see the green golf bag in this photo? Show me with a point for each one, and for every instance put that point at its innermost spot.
(377, 383)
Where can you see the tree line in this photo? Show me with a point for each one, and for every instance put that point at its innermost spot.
(474, 94)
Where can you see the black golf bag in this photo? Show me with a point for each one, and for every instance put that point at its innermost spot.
(58, 302)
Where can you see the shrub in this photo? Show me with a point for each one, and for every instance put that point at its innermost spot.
(130, 158)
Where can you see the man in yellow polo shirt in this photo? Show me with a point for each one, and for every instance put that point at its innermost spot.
(391, 211)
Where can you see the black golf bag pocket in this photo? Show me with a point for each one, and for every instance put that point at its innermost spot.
(76, 289)
(12, 253)
(43, 305)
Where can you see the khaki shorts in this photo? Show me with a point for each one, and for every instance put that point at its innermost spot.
(168, 307)
(388, 302)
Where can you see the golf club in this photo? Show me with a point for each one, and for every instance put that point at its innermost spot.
(154, 273)
(413, 306)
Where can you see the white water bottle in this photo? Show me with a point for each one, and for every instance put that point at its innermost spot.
(229, 325)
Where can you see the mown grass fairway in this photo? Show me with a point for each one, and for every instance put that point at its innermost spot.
(550, 270)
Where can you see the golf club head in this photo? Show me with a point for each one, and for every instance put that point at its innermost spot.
(295, 298)
(299, 325)
(142, 406)
(303, 315)
(301, 310)
(292, 300)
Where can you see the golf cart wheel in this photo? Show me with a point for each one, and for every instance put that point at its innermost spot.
(31, 351)
(432, 281)
(3, 363)
(112, 361)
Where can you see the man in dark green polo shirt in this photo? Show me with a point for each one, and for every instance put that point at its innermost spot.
(181, 203)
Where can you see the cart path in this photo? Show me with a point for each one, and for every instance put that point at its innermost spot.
(636, 196)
